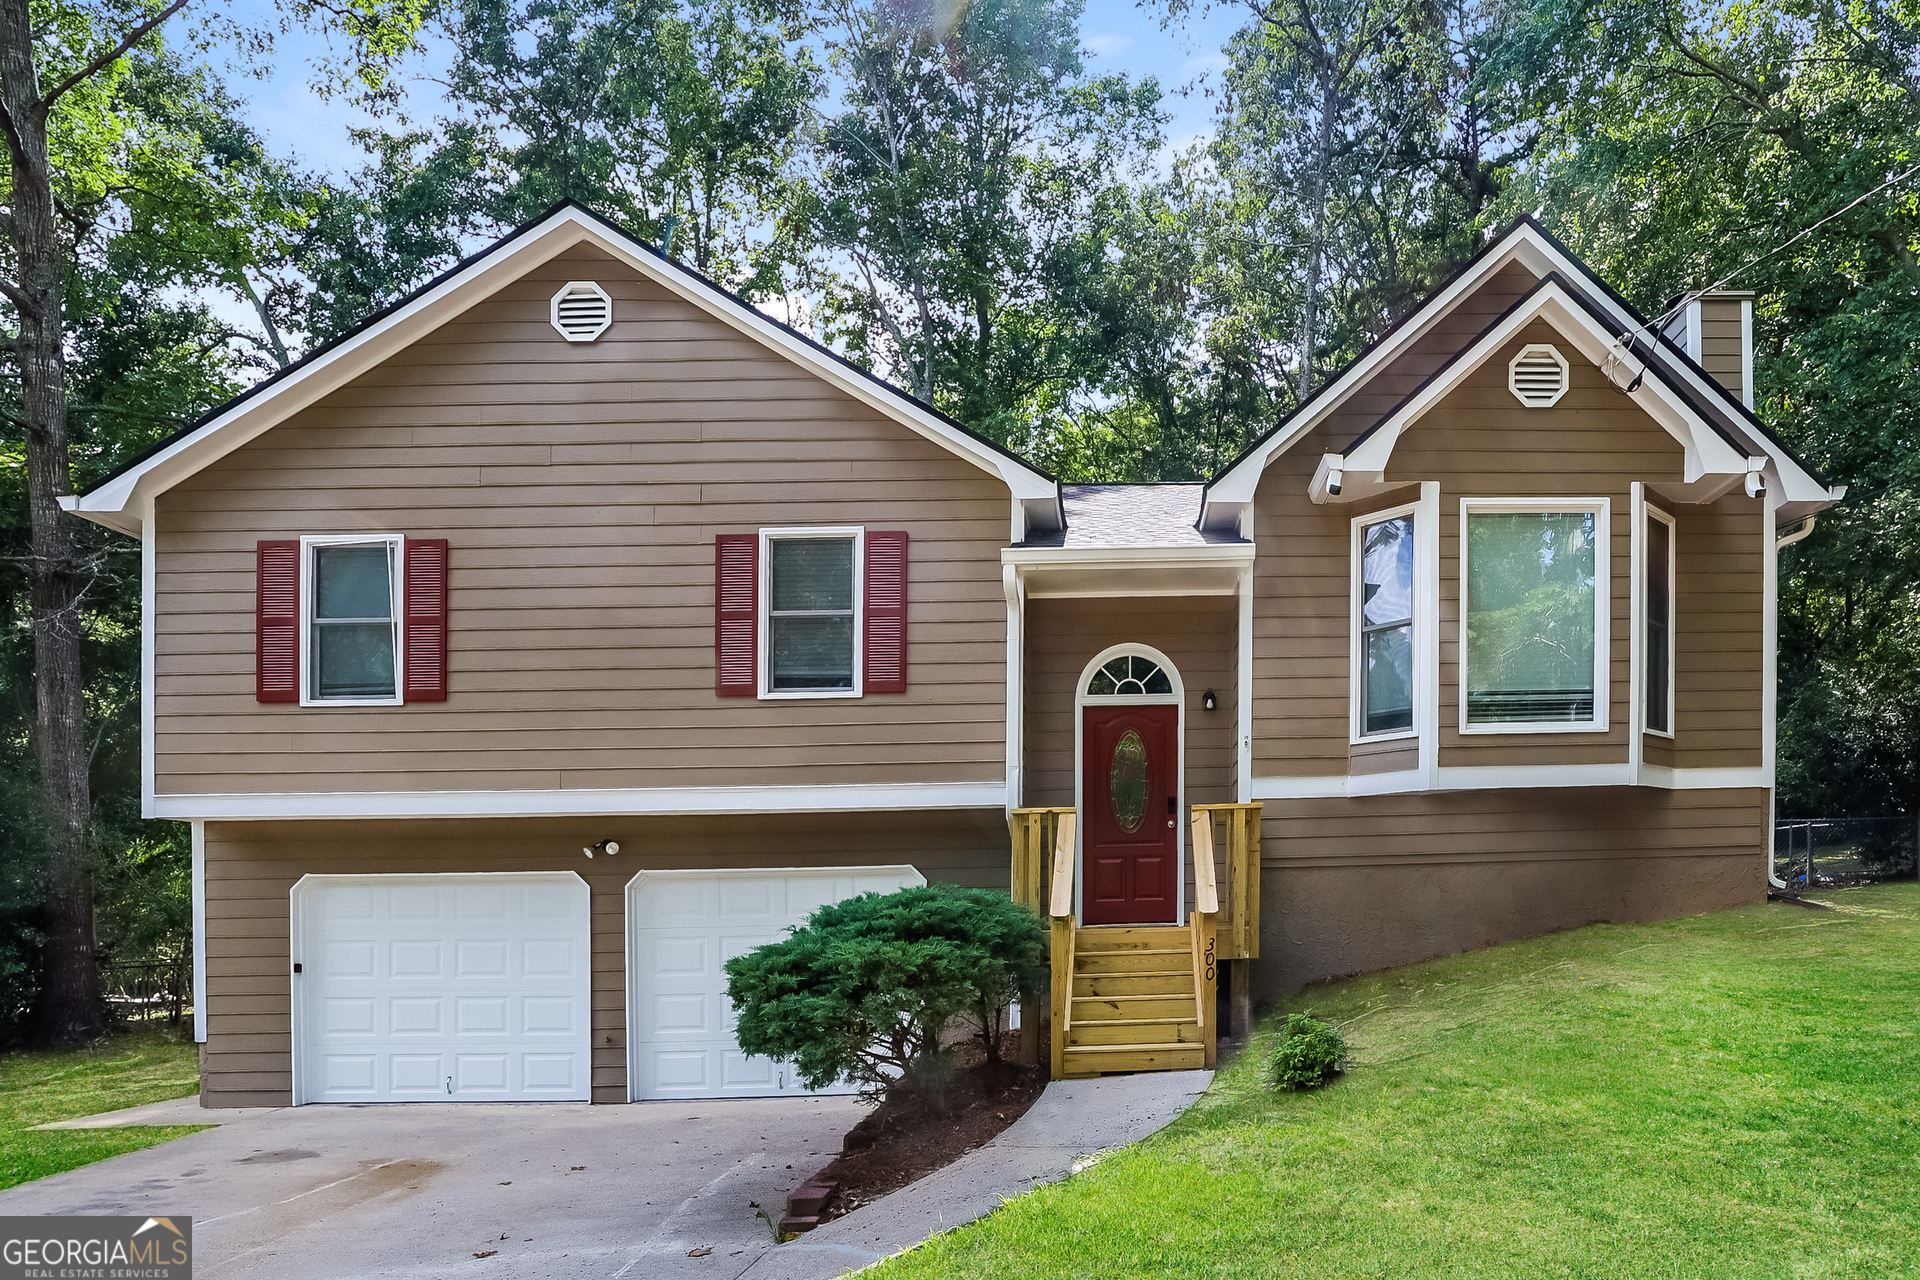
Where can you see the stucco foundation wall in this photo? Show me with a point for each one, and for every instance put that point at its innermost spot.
(247, 1060)
(1354, 885)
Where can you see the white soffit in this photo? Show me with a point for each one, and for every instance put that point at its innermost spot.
(1528, 246)
(116, 503)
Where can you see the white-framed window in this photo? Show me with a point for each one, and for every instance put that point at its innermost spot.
(1384, 659)
(810, 612)
(1533, 615)
(350, 620)
(1659, 559)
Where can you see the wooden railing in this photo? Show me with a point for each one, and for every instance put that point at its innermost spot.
(1043, 841)
(1235, 830)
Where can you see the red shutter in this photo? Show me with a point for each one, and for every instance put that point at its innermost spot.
(426, 620)
(884, 624)
(276, 622)
(736, 584)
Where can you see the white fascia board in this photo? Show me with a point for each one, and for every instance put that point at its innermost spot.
(583, 802)
(112, 504)
(1539, 255)
(1504, 778)
(1524, 245)
(1219, 553)
(1707, 452)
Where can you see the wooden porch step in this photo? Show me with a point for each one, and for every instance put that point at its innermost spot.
(1135, 1033)
(1140, 960)
(1167, 983)
(1154, 1005)
(1116, 937)
(1087, 1060)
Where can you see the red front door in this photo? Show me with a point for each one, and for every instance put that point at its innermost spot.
(1130, 832)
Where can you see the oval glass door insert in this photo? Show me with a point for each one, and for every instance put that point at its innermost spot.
(1127, 788)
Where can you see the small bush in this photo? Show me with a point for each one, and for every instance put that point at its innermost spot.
(1310, 1053)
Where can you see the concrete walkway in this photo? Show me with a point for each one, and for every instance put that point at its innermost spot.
(1073, 1119)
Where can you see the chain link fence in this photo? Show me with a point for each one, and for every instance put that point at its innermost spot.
(1827, 853)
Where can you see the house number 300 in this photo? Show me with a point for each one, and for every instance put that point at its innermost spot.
(1209, 959)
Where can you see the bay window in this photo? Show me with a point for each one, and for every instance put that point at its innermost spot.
(1657, 583)
(1533, 615)
(1383, 625)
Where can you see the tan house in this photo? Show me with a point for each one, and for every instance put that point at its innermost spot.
(571, 627)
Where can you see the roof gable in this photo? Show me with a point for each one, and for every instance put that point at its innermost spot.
(1681, 396)
(120, 501)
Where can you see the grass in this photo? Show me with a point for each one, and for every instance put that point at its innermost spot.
(126, 1070)
(1730, 1095)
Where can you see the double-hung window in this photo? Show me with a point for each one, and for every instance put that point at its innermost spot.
(1657, 583)
(350, 593)
(1383, 625)
(812, 590)
(1533, 616)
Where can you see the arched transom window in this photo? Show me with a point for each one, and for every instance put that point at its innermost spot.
(1130, 673)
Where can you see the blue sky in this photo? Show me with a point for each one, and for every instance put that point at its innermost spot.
(1120, 36)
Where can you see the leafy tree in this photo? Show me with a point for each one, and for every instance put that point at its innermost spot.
(970, 163)
(865, 990)
(94, 158)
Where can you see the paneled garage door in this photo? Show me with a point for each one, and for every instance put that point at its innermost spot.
(681, 927)
(441, 988)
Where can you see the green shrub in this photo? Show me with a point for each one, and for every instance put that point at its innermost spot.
(1309, 1054)
(864, 990)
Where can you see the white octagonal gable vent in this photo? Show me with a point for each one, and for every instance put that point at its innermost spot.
(1538, 376)
(582, 311)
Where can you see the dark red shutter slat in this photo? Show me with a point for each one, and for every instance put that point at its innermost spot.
(426, 620)
(736, 584)
(884, 625)
(276, 622)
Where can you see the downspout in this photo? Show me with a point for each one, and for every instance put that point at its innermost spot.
(1800, 531)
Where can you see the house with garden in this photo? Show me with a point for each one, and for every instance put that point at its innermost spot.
(571, 627)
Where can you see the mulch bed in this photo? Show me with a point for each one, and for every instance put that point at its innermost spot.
(900, 1141)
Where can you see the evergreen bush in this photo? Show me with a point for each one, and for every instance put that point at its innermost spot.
(864, 991)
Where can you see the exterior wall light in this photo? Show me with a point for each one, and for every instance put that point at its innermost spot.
(608, 847)
(1208, 702)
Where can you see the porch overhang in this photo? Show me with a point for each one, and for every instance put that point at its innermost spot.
(1067, 572)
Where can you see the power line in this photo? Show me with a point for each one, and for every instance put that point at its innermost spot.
(1625, 343)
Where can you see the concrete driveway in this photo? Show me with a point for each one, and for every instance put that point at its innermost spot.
(541, 1189)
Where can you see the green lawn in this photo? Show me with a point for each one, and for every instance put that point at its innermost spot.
(127, 1070)
(1731, 1095)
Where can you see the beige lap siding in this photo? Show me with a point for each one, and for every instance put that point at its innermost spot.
(1355, 885)
(1479, 441)
(251, 867)
(580, 486)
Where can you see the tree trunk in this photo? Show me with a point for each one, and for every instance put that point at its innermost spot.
(70, 1009)
(1317, 245)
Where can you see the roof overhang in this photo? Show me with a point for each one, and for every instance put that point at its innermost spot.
(1712, 464)
(1090, 572)
(1795, 492)
(120, 502)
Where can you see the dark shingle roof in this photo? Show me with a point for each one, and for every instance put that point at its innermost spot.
(1130, 515)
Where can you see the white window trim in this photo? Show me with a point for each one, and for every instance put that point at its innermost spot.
(763, 608)
(396, 588)
(1356, 655)
(1602, 509)
(1650, 512)
(1176, 699)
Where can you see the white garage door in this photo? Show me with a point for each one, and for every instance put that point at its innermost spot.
(682, 926)
(441, 988)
